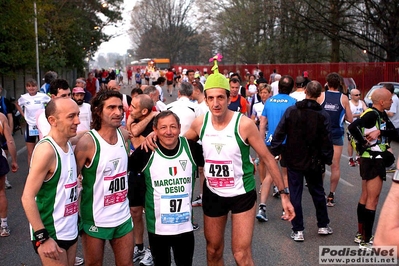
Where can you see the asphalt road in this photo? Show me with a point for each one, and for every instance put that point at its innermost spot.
(272, 244)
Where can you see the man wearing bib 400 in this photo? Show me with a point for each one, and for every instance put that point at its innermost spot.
(50, 197)
(101, 157)
(227, 137)
(169, 176)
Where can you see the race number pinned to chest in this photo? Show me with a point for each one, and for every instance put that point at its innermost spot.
(220, 174)
(115, 189)
(71, 202)
(175, 209)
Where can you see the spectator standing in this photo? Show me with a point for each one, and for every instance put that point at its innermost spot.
(137, 77)
(129, 75)
(273, 110)
(272, 76)
(357, 107)
(28, 105)
(80, 82)
(171, 227)
(337, 106)
(371, 132)
(92, 84)
(84, 109)
(235, 191)
(142, 118)
(5, 131)
(169, 81)
(299, 93)
(102, 160)
(237, 102)
(48, 78)
(261, 79)
(6, 109)
(274, 84)
(50, 197)
(305, 129)
(186, 110)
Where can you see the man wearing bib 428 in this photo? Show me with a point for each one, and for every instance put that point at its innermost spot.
(102, 159)
(227, 137)
(50, 197)
(169, 176)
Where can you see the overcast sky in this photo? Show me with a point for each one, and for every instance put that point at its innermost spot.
(122, 42)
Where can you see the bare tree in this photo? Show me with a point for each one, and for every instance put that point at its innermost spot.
(165, 28)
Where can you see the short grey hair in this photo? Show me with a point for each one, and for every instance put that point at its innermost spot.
(186, 89)
(150, 90)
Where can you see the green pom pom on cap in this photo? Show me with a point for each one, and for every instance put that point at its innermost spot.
(216, 80)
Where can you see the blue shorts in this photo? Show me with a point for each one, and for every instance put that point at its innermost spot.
(338, 141)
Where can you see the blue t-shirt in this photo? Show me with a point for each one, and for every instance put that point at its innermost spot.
(333, 105)
(273, 110)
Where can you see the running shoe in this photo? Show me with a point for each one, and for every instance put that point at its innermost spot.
(5, 231)
(195, 226)
(390, 169)
(358, 160)
(147, 259)
(79, 261)
(366, 246)
(275, 192)
(358, 238)
(257, 161)
(197, 202)
(325, 230)
(138, 254)
(261, 216)
(371, 241)
(331, 200)
(8, 185)
(352, 162)
(298, 236)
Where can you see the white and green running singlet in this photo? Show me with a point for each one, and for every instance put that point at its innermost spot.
(104, 202)
(169, 181)
(57, 199)
(228, 169)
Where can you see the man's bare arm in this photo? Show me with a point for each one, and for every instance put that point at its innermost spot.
(388, 223)
(139, 127)
(7, 132)
(84, 151)
(348, 112)
(42, 166)
(262, 126)
(10, 121)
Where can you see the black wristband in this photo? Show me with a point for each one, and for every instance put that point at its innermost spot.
(41, 235)
(284, 191)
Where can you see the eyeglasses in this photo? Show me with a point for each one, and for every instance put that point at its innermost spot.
(356, 94)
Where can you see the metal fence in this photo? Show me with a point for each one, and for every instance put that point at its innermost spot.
(365, 74)
(14, 85)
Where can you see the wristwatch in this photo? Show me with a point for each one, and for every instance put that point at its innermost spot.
(284, 191)
(395, 177)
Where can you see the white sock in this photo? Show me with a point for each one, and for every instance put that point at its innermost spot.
(4, 222)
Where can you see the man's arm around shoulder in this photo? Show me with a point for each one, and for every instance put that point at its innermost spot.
(84, 151)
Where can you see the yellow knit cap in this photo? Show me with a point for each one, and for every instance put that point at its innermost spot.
(216, 80)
